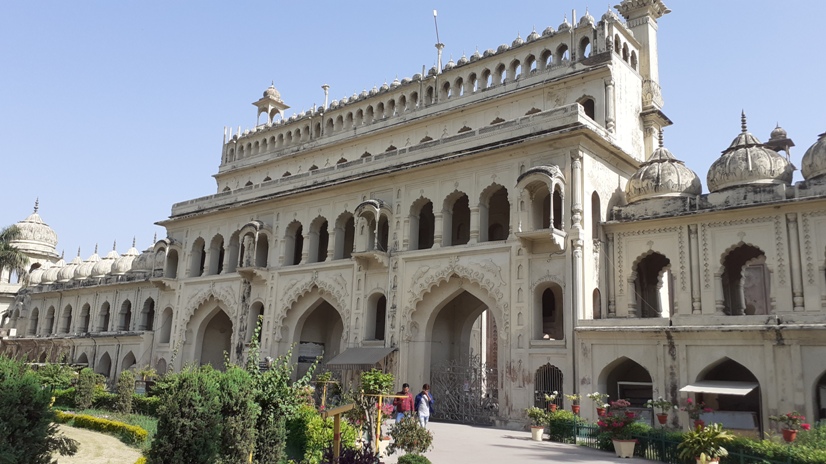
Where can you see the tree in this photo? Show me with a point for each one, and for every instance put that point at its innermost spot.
(27, 429)
(240, 413)
(12, 258)
(125, 389)
(85, 389)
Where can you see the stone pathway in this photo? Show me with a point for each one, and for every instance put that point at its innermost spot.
(97, 448)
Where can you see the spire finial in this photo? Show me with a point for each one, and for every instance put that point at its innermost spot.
(743, 121)
(133, 241)
(115, 245)
(36, 204)
(662, 130)
(96, 248)
(155, 239)
(78, 252)
(62, 253)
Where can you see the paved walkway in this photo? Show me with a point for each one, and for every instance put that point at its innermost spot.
(465, 444)
(97, 448)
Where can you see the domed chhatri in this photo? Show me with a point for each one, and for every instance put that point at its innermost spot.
(662, 175)
(35, 234)
(272, 92)
(814, 160)
(748, 162)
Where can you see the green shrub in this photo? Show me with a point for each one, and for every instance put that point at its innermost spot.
(145, 405)
(129, 434)
(64, 398)
(240, 413)
(410, 436)
(413, 459)
(102, 399)
(814, 438)
(363, 455)
(27, 429)
(141, 460)
(125, 391)
(56, 376)
(309, 436)
(561, 425)
(189, 418)
(84, 392)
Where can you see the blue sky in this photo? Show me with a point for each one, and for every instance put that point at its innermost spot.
(111, 111)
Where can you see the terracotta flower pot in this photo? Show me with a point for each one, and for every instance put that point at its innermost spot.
(624, 448)
(600, 412)
(699, 423)
(663, 418)
(552, 407)
(789, 435)
(575, 409)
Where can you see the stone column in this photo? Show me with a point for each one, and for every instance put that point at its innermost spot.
(719, 298)
(794, 262)
(305, 249)
(332, 242)
(207, 255)
(632, 296)
(576, 190)
(438, 229)
(694, 265)
(609, 251)
(475, 225)
(609, 105)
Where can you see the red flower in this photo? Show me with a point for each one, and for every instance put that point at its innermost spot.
(805, 426)
(707, 410)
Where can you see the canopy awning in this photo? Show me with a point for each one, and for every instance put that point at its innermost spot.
(721, 387)
(359, 358)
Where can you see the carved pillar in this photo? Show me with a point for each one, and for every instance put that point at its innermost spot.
(576, 190)
(794, 262)
(632, 296)
(609, 105)
(438, 229)
(719, 298)
(475, 225)
(577, 280)
(333, 242)
(612, 307)
(207, 255)
(739, 307)
(694, 265)
(249, 252)
(305, 249)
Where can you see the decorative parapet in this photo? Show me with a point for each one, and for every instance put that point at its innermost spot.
(651, 95)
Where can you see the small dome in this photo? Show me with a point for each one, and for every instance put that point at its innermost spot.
(104, 266)
(271, 92)
(462, 61)
(533, 36)
(748, 162)
(432, 71)
(778, 133)
(363, 94)
(549, 31)
(565, 26)
(450, 65)
(36, 276)
(663, 175)
(406, 80)
(50, 275)
(84, 271)
(586, 20)
(144, 262)
(610, 16)
(475, 56)
(814, 160)
(489, 52)
(124, 263)
(67, 272)
(384, 87)
(518, 41)
(502, 48)
(35, 235)
(395, 83)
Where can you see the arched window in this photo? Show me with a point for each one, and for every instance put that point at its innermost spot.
(494, 214)
(171, 266)
(634, 60)
(216, 255)
(319, 239)
(654, 286)
(256, 313)
(548, 319)
(562, 54)
(147, 315)
(103, 317)
(548, 379)
(196, 265)
(596, 216)
(541, 207)
(584, 50)
(262, 250)
(33, 320)
(589, 107)
(375, 317)
(166, 326)
(344, 236)
(626, 379)
(597, 304)
(384, 233)
(422, 223)
(557, 207)
(66, 320)
(85, 315)
(293, 244)
(458, 218)
(48, 326)
(746, 283)
(125, 316)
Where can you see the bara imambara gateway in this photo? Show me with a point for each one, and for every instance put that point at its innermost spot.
(500, 227)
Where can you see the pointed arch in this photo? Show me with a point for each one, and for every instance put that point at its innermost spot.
(746, 280)
(422, 224)
(627, 379)
(456, 219)
(494, 213)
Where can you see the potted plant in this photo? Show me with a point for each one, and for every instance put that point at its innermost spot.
(599, 399)
(661, 405)
(694, 409)
(538, 419)
(574, 399)
(792, 423)
(615, 422)
(705, 444)
(551, 399)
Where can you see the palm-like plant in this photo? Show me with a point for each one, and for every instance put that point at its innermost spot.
(705, 444)
(12, 258)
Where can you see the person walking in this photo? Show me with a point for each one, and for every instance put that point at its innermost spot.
(403, 405)
(423, 405)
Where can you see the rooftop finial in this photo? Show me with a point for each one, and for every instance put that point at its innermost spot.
(36, 204)
(114, 245)
(96, 248)
(743, 121)
(78, 252)
(62, 253)
(155, 239)
(662, 130)
(133, 241)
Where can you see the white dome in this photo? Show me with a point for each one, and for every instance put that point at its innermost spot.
(144, 262)
(748, 162)
(104, 266)
(814, 161)
(662, 175)
(84, 271)
(67, 272)
(35, 235)
(50, 275)
(124, 263)
(36, 276)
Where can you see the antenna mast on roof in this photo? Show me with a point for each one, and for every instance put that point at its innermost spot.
(439, 46)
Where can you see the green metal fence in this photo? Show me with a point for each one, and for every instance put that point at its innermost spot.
(655, 445)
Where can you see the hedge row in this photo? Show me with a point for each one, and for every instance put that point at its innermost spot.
(129, 434)
(141, 404)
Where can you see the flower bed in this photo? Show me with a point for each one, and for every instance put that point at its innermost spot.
(129, 434)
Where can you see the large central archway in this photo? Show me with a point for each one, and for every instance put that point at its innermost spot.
(460, 352)
(216, 340)
(320, 335)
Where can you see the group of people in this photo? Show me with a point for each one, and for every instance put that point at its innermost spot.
(422, 405)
